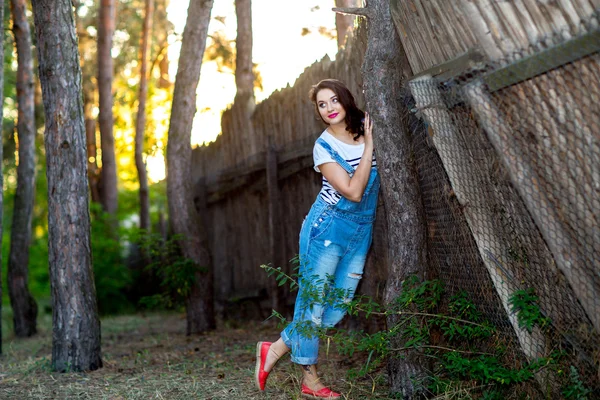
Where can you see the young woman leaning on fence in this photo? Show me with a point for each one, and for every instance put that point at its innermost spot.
(335, 236)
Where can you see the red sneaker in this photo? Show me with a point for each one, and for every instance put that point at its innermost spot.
(260, 375)
(324, 393)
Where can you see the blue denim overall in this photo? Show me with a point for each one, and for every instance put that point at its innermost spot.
(334, 241)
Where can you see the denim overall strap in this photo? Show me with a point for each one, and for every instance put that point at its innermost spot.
(334, 154)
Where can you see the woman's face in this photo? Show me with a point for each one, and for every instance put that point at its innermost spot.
(331, 110)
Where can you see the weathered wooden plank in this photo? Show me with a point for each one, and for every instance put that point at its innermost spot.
(431, 31)
(544, 61)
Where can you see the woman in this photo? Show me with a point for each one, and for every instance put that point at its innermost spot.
(335, 236)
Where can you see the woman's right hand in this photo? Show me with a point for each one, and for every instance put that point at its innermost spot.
(368, 128)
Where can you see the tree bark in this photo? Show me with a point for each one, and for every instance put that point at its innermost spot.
(1, 151)
(22, 302)
(162, 28)
(183, 217)
(140, 123)
(384, 69)
(244, 77)
(244, 103)
(75, 322)
(108, 174)
(344, 23)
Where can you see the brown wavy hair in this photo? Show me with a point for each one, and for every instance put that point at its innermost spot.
(354, 115)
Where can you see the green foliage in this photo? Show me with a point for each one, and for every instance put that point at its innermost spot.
(575, 389)
(176, 273)
(451, 338)
(524, 304)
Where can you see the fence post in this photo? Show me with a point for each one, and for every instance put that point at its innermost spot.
(275, 230)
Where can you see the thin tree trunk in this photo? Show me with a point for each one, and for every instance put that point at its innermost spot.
(1, 151)
(108, 174)
(384, 69)
(244, 77)
(22, 302)
(75, 322)
(161, 29)
(344, 23)
(244, 103)
(140, 123)
(182, 215)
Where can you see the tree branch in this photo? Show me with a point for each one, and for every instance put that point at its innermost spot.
(359, 11)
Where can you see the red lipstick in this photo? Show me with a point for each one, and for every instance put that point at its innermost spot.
(332, 116)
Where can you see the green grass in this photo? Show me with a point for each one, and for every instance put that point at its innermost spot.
(149, 357)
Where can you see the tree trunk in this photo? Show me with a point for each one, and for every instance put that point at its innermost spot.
(384, 69)
(183, 217)
(244, 77)
(1, 152)
(140, 123)
(75, 322)
(108, 174)
(344, 23)
(244, 103)
(162, 32)
(22, 302)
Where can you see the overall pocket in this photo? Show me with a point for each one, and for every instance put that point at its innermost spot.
(320, 224)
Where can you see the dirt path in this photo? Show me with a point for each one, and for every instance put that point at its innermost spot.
(149, 357)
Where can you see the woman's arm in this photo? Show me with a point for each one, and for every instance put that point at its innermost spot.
(352, 188)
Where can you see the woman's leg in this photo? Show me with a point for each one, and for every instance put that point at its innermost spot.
(276, 350)
(347, 277)
(310, 377)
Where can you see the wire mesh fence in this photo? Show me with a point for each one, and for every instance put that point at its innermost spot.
(509, 166)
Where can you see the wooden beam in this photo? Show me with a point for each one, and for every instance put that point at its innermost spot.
(472, 59)
(544, 61)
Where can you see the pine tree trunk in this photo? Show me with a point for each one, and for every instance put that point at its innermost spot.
(161, 29)
(1, 151)
(182, 214)
(108, 174)
(344, 23)
(75, 322)
(244, 77)
(140, 123)
(244, 103)
(384, 69)
(22, 302)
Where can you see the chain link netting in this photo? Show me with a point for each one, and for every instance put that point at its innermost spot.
(510, 179)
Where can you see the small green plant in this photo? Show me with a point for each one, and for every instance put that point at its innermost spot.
(525, 304)
(575, 389)
(176, 273)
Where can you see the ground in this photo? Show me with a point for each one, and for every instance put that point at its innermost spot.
(150, 357)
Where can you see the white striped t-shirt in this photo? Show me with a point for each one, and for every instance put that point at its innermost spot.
(352, 153)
